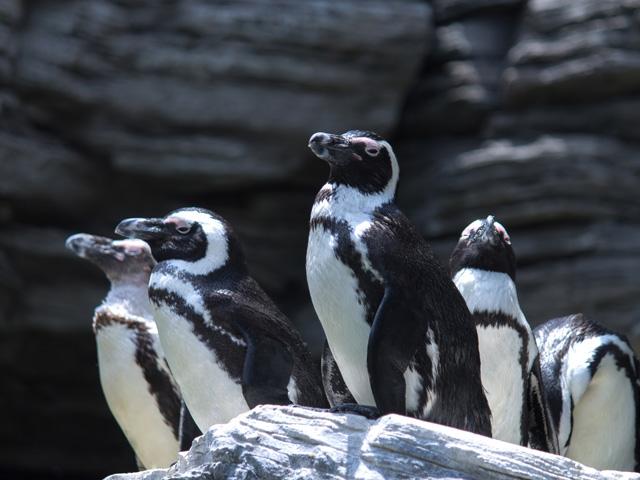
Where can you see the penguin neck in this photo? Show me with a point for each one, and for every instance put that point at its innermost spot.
(487, 291)
(129, 298)
(338, 200)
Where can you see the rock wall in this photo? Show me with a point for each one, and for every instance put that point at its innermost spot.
(116, 108)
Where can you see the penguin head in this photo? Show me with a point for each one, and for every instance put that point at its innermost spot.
(485, 245)
(125, 260)
(199, 238)
(358, 159)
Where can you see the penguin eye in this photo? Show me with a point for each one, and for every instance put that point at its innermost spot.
(372, 151)
(183, 229)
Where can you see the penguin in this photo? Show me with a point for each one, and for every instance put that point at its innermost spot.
(140, 391)
(228, 345)
(335, 389)
(483, 267)
(399, 330)
(591, 378)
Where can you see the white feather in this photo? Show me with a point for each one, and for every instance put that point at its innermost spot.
(127, 394)
(499, 347)
(211, 395)
(604, 417)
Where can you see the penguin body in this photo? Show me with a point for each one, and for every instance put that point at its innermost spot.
(139, 389)
(590, 375)
(398, 329)
(483, 268)
(335, 389)
(228, 345)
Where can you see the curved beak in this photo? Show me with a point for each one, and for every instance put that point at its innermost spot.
(487, 233)
(142, 228)
(83, 243)
(334, 149)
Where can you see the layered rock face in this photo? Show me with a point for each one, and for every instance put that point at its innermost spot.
(116, 108)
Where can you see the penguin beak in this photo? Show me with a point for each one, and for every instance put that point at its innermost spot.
(91, 247)
(143, 228)
(487, 232)
(334, 149)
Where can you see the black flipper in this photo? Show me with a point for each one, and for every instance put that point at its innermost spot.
(335, 389)
(188, 429)
(266, 372)
(396, 335)
(542, 432)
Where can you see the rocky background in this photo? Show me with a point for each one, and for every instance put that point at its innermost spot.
(116, 108)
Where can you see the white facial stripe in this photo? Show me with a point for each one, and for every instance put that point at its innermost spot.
(217, 252)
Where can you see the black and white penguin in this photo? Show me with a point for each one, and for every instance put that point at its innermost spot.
(228, 345)
(483, 266)
(335, 389)
(591, 380)
(135, 379)
(399, 330)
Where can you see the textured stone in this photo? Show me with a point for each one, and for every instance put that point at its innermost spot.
(287, 442)
(460, 83)
(204, 94)
(575, 52)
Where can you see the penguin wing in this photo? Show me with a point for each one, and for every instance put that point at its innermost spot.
(403, 259)
(335, 389)
(396, 335)
(542, 431)
(268, 361)
(188, 428)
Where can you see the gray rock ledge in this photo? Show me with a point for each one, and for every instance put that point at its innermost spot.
(298, 443)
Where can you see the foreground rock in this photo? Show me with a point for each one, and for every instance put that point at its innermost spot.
(288, 442)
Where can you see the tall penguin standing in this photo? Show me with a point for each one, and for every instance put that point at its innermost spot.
(136, 382)
(229, 347)
(591, 378)
(399, 330)
(483, 265)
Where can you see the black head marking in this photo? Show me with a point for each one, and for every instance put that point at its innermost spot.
(484, 245)
(357, 158)
(187, 234)
(118, 259)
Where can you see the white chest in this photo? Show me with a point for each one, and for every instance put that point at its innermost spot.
(211, 395)
(604, 421)
(334, 293)
(502, 380)
(128, 397)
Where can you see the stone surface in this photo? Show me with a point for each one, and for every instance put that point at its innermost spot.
(288, 442)
(575, 51)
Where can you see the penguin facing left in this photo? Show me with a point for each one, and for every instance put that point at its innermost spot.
(483, 266)
(228, 345)
(399, 330)
(135, 379)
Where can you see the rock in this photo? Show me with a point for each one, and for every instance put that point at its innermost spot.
(447, 10)
(575, 52)
(292, 442)
(205, 94)
(460, 83)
